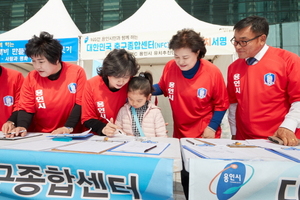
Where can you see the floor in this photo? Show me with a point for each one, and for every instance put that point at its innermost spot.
(179, 195)
(177, 187)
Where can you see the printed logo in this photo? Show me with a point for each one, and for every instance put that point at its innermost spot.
(72, 87)
(39, 92)
(100, 104)
(269, 79)
(86, 39)
(201, 93)
(101, 109)
(231, 180)
(8, 100)
(171, 90)
(237, 83)
(40, 99)
(171, 84)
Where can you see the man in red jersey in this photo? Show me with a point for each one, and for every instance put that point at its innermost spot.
(11, 82)
(263, 86)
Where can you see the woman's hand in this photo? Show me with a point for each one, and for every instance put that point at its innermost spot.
(209, 133)
(62, 130)
(18, 131)
(110, 129)
(8, 126)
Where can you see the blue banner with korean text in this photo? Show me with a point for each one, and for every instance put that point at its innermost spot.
(61, 175)
(14, 51)
(149, 44)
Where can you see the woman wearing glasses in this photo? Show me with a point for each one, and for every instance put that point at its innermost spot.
(263, 86)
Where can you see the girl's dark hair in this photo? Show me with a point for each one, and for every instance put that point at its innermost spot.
(143, 82)
(46, 46)
(188, 38)
(118, 63)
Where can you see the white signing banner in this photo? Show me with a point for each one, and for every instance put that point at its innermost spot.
(247, 180)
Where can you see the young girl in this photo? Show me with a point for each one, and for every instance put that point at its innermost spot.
(140, 117)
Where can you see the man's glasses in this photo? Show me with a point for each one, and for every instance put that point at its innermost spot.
(243, 43)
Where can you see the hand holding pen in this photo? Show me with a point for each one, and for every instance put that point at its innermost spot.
(8, 126)
(111, 128)
(18, 131)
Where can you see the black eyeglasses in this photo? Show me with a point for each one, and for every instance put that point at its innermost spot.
(243, 43)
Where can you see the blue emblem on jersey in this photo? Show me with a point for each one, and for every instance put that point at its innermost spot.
(269, 79)
(201, 93)
(8, 100)
(72, 87)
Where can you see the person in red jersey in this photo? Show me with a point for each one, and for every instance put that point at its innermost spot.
(196, 91)
(50, 98)
(11, 82)
(264, 94)
(106, 93)
(195, 88)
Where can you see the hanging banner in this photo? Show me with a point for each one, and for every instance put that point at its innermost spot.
(148, 45)
(14, 51)
(60, 175)
(247, 180)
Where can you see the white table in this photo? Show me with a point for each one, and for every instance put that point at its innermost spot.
(88, 174)
(224, 166)
(171, 152)
(237, 153)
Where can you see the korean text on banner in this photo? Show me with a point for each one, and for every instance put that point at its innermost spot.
(53, 175)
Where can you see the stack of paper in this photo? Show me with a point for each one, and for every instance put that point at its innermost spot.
(84, 134)
(227, 153)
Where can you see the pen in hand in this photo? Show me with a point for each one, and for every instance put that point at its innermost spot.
(149, 149)
(119, 131)
(12, 133)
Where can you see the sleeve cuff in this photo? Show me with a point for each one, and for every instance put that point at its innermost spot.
(289, 124)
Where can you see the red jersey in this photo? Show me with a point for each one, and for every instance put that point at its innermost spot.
(193, 101)
(52, 101)
(264, 92)
(99, 102)
(11, 82)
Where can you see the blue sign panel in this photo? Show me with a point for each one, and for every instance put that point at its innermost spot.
(61, 175)
(14, 51)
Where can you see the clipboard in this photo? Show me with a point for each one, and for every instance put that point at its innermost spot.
(203, 156)
(82, 135)
(90, 147)
(193, 151)
(29, 135)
